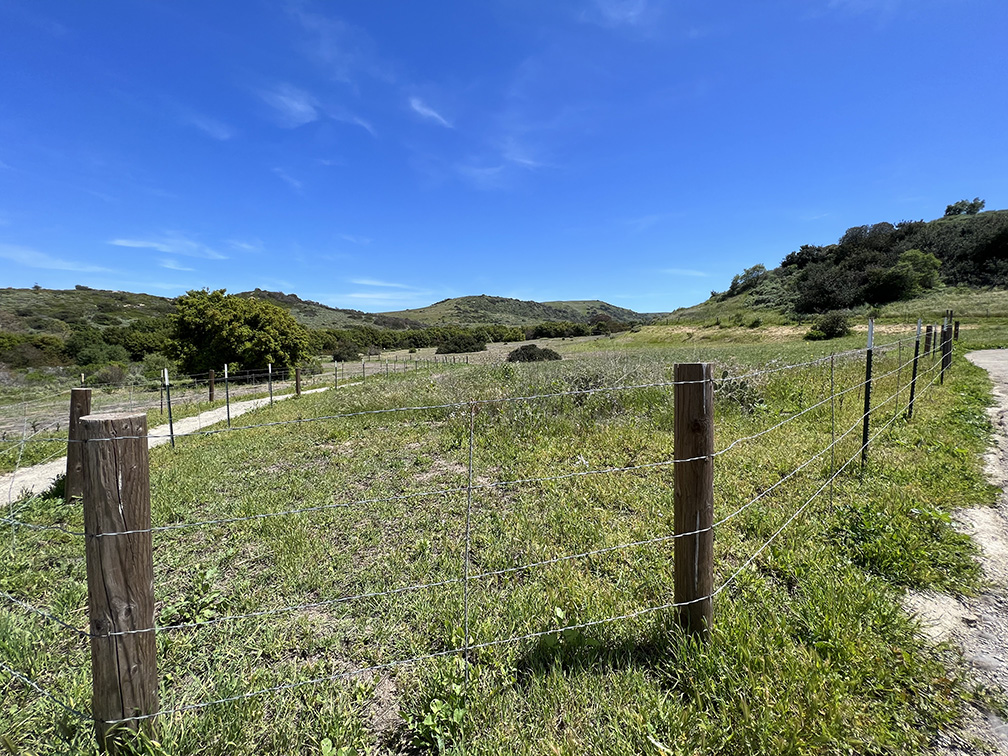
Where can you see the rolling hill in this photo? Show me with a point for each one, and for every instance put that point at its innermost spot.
(484, 310)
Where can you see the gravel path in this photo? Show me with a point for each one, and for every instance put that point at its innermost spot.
(979, 625)
(39, 478)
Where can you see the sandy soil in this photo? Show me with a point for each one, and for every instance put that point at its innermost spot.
(979, 625)
(40, 477)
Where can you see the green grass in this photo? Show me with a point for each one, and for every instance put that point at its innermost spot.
(810, 652)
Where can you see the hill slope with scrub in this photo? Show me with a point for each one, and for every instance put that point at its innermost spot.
(873, 266)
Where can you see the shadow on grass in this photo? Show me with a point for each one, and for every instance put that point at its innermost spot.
(660, 646)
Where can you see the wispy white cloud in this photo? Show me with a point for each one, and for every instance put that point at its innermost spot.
(864, 6)
(356, 239)
(358, 121)
(516, 153)
(288, 179)
(241, 245)
(619, 12)
(210, 126)
(5, 166)
(342, 50)
(482, 176)
(293, 107)
(31, 258)
(172, 244)
(684, 272)
(644, 222)
(170, 264)
(426, 111)
(384, 284)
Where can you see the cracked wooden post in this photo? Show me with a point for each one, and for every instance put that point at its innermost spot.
(297, 381)
(694, 497)
(80, 405)
(120, 574)
(210, 384)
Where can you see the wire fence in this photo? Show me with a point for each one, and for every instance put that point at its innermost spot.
(483, 500)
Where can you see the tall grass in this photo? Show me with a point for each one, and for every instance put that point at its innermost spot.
(810, 651)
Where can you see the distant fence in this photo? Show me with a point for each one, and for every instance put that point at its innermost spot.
(108, 466)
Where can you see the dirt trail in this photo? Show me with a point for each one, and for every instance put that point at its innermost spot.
(979, 625)
(38, 478)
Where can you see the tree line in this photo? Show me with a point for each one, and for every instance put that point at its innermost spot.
(884, 262)
(211, 328)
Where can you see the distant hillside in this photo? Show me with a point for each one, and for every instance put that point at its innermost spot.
(317, 315)
(58, 312)
(872, 266)
(485, 310)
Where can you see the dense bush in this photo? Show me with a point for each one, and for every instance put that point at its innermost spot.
(831, 325)
(532, 353)
(461, 342)
(346, 351)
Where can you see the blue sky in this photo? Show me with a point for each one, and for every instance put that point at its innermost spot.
(382, 155)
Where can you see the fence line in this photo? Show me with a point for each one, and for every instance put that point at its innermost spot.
(489, 401)
(459, 489)
(466, 577)
(474, 646)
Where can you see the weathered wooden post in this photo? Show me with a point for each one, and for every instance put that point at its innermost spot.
(210, 384)
(120, 573)
(867, 392)
(269, 379)
(80, 405)
(694, 497)
(913, 377)
(297, 381)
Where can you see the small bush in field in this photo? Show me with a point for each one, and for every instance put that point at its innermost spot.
(831, 325)
(532, 353)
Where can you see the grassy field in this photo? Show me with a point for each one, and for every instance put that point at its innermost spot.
(810, 652)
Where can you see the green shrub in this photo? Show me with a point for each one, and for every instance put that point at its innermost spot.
(458, 343)
(830, 325)
(346, 352)
(532, 353)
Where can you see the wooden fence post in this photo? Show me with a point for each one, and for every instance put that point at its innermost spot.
(120, 572)
(80, 405)
(269, 379)
(210, 383)
(693, 398)
(867, 392)
(913, 379)
(297, 381)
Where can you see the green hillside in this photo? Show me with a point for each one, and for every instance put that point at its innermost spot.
(58, 312)
(879, 266)
(317, 315)
(483, 310)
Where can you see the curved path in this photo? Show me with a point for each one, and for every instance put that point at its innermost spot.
(38, 478)
(979, 624)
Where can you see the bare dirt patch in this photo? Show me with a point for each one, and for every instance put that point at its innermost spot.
(978, 625)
